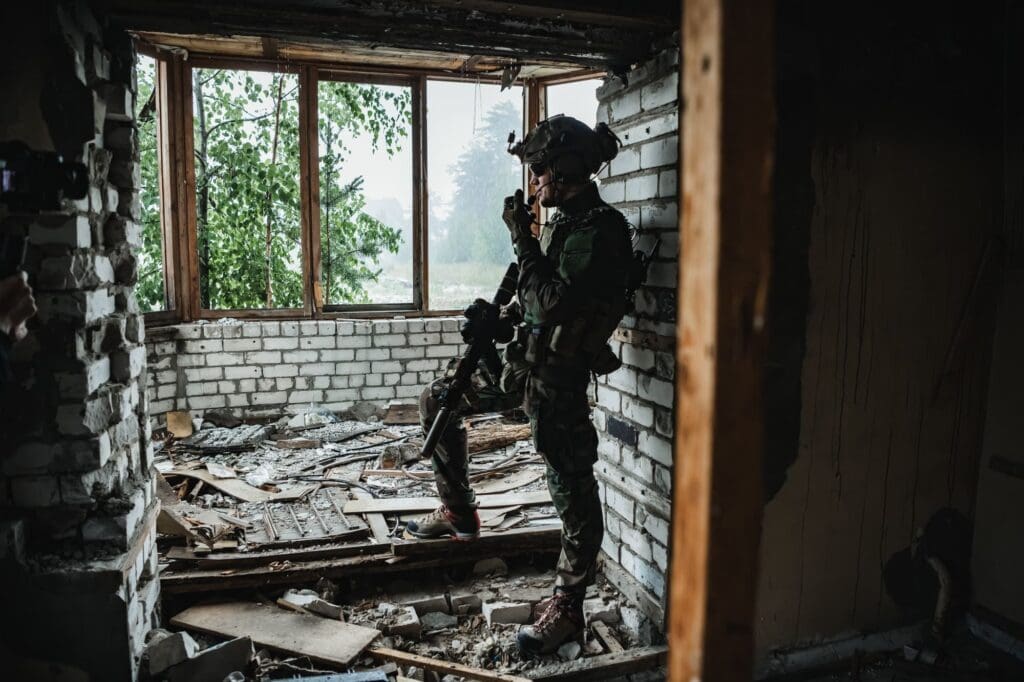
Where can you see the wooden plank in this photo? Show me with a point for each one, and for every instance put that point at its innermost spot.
(492, 436)
(322, 639)
(221, 560)
(236, 487)
(398, 505)
(604, 633)
(503, 485)
(309, 186)
(420, 203)
(604, 666)
(726, 152)
(443, 667)
(378, 526)
(402, 414)
(521, 538)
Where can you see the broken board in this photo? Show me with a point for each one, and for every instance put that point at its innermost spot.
(236, 487)
(507, 483)
(400, 413)
(399, 505)
(329, 641)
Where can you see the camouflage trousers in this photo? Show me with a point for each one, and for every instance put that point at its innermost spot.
(564, 436)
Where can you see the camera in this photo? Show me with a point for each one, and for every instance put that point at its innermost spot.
(37, 181)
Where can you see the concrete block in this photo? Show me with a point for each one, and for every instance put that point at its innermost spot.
(289, 329)
(406, 623)
(273, 371)
(507, 612)
(340, 355)
(464, 602)
(214, 663)
(373, 354)
(426, 603)
(318, 342)
(660, 92)
(166, 649)
(437, 620)
(281, 343)
(301, 356)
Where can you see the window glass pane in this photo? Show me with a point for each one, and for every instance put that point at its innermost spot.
(469, 173)
(578, 100)
(150, 291)
(247, 189)
(365, 149)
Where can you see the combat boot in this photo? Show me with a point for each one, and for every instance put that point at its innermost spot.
(560, 622)
(443, 522)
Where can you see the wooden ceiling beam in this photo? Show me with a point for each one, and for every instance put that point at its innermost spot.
(400, 24)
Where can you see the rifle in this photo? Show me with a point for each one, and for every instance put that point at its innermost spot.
(482, 347)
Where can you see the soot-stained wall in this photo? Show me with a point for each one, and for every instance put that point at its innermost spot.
(888, 201)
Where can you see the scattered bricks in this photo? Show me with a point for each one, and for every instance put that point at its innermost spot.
(507, 613)
(623, 431)
(424, 603)
(70, 231)
(126, 365)
(166, 649)
(465, 602)
(406, 623)
(492, 566)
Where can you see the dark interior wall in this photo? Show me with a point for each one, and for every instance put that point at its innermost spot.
(889, 196)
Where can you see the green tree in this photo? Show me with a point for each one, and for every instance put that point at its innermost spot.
(149, 289)
(248, 212)
(351, 240)
(484, 175)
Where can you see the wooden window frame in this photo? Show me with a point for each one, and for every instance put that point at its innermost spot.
(178, 207)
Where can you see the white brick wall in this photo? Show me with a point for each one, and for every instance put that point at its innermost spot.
(253, 365)
(634, 403)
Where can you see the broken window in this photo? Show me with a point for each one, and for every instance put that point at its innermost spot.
(248, 208)
(364, 138)
(151, 291)
(469, 173)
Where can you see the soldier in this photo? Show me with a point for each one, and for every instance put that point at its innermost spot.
(571, 297)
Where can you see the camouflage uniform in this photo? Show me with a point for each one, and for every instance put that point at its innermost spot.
(571, 290)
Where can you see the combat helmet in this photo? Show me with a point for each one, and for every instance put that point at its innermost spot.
(572, 150)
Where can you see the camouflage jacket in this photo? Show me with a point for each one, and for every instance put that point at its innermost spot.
(572, 281)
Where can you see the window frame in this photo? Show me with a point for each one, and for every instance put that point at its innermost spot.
(177, 173)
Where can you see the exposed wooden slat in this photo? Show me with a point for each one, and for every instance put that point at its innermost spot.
(443, 667)
(522, 539)
(420, 210)
(309, 181)
(604, 666)
(604, 633)
(222, 560)
(378, 526)
(399, 505)
(726, 154)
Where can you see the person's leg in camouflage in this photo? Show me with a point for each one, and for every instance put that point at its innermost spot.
(565, 436)
(457, 515)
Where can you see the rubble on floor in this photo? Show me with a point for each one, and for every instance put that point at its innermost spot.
(317, 498)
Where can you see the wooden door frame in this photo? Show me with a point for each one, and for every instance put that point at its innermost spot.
(727, 144)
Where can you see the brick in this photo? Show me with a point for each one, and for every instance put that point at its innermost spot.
(641, 187)
(385, 366)
(659, 215)
(627, 161)
(289, 329)
(305, 397)
(379, 393)
(385, 340)
(373, 354)
(263, 358)
(660, 152)
(270, 328)
(126, 365)
(280, 343)
(77, 270)
(269, 398)
(660, 92)
(668, 184)
(656, 391)
(425, 339)
(317, 342)
(316, 369)
(280, 371)
(204, 346)
(657, 448)
(236, 345)
(352, 367)
(442, 351)
(243, 372)
(81, 307)
(252, 329)
(625, 105)
(345, 328)
(649, 127)
(222, 359)
(301, 356)
(200, 374)
(70, 231)
(341, 355)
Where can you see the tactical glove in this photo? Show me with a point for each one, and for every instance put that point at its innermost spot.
(517, 217)
(483, 321)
